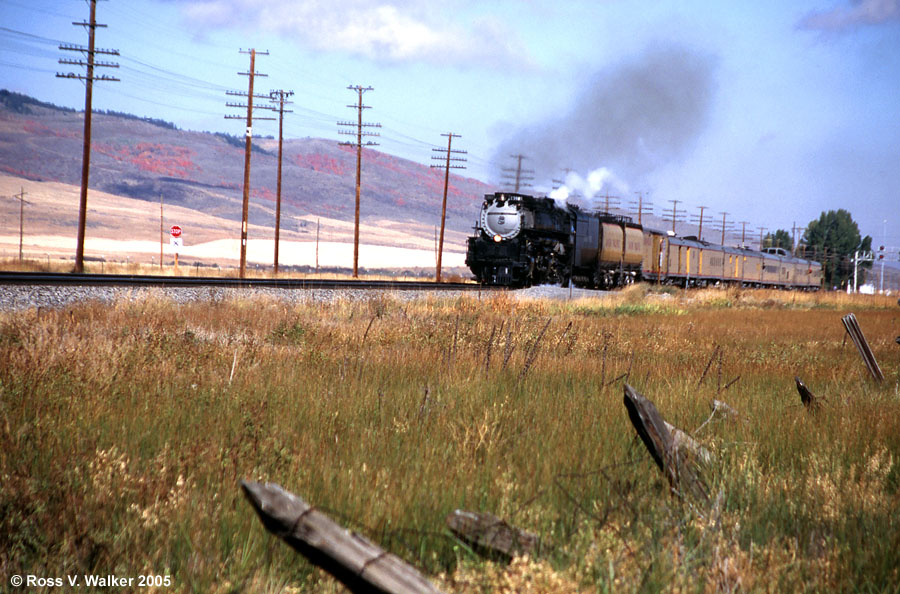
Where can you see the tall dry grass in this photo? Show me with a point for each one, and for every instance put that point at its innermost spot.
(125, 429)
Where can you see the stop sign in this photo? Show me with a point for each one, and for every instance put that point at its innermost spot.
(176, 231)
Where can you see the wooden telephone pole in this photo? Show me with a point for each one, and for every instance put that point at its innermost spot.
(359, 107)
(724, 226)
(520, 178)
(447, 167)
(280, 97)
(677, 214)
(248, 145)
(22, 202)
(700, 226)
(642, 207)
(90, 52)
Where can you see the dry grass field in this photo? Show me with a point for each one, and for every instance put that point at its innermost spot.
(125, 430)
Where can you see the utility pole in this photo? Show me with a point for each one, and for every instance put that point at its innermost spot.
(90, 51)
(561, 182)
(744, 232)
(279, 96)
(22, 202)
(700, 229)
(447, 167)
(724, 226)
(880, 255)
(761, 231)
(640, 207)
(676, 213)
(610, 201)
(248, 144)
(522, 176)
(359, 107)
(160, 232)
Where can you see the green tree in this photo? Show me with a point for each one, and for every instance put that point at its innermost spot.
(832, 240)
(780, 238)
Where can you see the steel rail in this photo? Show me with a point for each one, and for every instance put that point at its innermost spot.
(132, 280)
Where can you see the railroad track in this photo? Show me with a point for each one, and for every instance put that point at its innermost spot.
(132, 280)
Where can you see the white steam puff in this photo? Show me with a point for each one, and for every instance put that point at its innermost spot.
(597, 181)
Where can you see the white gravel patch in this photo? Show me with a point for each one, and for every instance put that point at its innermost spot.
(559, 293)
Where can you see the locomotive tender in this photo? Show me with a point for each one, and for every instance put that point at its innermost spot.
(521, 241)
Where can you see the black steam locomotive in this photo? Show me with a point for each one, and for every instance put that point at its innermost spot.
(521, 240)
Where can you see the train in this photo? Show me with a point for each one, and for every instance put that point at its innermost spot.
(522, 240)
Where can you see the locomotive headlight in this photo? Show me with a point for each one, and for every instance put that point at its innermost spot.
(497, 238)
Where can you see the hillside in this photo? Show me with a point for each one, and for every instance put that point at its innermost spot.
(203, 173)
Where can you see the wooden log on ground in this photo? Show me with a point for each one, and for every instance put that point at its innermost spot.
(491, 536)
(687, 444)
(808, 399)
(352, 559)
(855, 332)
(681, 470)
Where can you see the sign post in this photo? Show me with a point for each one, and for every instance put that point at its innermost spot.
(176, 241)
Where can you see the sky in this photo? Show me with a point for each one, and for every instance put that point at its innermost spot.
(767, 110)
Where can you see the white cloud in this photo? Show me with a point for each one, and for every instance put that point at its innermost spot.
(860, 13)
(384, 31)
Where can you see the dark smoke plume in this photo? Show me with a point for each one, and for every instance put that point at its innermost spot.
(631, 118)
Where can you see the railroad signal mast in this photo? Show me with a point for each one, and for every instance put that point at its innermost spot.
(248, 145)
(449, 160)
(90, 63)
(359, 107)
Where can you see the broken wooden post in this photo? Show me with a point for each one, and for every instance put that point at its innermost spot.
(681, 470)
(490, 535)
(808, 399)
(352, 559)
(855, 332)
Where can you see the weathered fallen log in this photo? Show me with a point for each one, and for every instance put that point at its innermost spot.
(352, 559)
(808, 399)
(687, 444)
(680, 468)
(491, 536)
(855, 332)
